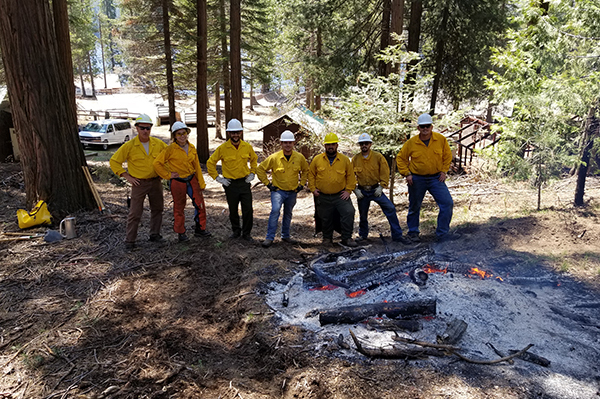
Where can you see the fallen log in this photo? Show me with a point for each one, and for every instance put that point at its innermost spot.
(393, 310)
(393, 325)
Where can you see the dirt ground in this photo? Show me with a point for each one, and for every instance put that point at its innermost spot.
(83, 318)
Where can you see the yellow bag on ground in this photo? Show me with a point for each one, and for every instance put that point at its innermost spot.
(38, 215)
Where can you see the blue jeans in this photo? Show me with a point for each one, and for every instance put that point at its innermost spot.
(280, 198)
(389, 210)
(442, 197)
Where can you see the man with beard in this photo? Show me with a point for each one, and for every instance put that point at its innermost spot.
(373, 175)
(140, 154)
(238, 164)
(331, 180)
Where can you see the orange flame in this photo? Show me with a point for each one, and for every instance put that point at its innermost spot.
(481, 273)
(432, 269)
(328, 287)
(356, 293)
(499, 278)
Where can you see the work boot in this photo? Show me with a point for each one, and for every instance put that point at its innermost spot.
(267, 243)
(130, 246)
(448, 237)
(361, 239)
(414, 236)
(403, 240)
(247, 237)
(156, 238)
(349, 243)
(235, 234)
(327, 241)
(288, 240)
(183, 237)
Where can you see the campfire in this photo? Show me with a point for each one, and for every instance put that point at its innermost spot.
(422, 305)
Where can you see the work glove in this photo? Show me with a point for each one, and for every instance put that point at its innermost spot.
(300, 188)
(225, 182)
(378, 191)
(271, 187)
(358, 193)
(250, 177)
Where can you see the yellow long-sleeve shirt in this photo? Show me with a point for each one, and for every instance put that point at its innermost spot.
(417, 158)
(371, 170)
(175, 159)
(234, 161)
(331, 178)
(285, 174)
(139, 163)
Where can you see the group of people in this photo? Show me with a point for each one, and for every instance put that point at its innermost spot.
(331, 176)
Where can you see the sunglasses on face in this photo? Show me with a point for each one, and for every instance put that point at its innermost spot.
(144, 127)
(424, 126)
(181, 134)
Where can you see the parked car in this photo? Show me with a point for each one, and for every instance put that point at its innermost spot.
(106, 132)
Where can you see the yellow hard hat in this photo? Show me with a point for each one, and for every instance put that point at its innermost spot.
(331, 138)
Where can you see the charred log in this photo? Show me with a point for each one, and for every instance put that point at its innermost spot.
(454, 332)
(394, 325)
(354, 314)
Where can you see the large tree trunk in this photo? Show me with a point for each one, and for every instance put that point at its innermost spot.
(225, 66)
(201, 83)
(63, 42)
(414, 37)
(42, 108)
(396, 25)
(591, 130)
(235, 57)
(91, 72)
(439, 58)
(168, 61)
(385, 35)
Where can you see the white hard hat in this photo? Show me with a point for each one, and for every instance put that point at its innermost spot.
(178, 126)
(364, 138)
(287, 136)
(234, 126)
(143, 118)
(425, 119)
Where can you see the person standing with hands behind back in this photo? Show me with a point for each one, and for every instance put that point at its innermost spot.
(238, 163)
(139, 154)
(425, 160)
(179, 164)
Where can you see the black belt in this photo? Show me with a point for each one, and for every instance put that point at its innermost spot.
(368, 188)
(240, 179)
(433, 175)
(338, 193)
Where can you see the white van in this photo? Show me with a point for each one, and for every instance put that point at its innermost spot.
(106, 132)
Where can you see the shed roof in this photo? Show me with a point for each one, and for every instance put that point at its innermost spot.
(305, 118)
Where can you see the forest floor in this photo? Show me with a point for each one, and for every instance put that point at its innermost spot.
(84, 318)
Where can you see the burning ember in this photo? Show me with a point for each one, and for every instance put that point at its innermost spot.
(328, 287)
(477, 272)
(356, 293)
(432, 269)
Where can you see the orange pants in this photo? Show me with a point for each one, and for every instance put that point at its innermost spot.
(180, 190)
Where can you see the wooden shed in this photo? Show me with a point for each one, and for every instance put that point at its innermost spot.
(300, 121)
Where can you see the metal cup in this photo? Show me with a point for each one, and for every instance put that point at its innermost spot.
(69, 228)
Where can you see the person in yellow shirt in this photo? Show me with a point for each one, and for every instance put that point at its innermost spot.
(425, 160)
(289, 172)
(179, 164)
(238, 165)
(139, 154)
(331, 180)
(373, 175)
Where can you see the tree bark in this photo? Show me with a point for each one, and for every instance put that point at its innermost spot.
(63, 41)
(591, 130)
(201, 83)
(168, 61)
(385, 35)
(396, 26)
(91, 72)
(236, 60)
(414, 38)
(45, 119)
(225, 65)
(439, 58)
